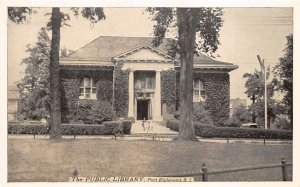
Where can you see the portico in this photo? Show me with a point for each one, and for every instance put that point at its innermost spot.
(145, 91)
(144, 95)
(145, 64)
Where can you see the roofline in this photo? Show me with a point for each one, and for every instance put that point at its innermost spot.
(111, 36)
(213, 67)
(141, 46)
(85, 63)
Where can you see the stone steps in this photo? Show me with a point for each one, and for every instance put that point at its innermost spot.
(150, 127)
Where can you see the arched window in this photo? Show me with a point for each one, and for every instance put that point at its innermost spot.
(199, 91)
(87, 88)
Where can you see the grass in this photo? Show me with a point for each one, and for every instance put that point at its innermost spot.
(45, 160)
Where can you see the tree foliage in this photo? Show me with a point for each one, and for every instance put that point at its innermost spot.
(20, 14)
(282, 81)
(34, 86)
(255, 85)
(284, 71)
(282, 122)
(208, 26)
(255, 89)
(240, 116)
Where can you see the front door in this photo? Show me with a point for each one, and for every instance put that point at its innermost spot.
(142, 109)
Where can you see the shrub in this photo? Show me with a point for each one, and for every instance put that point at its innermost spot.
(260, 121)
(224, 132)
(107, 128)
(127, 126)
(132, 119)
(201, 115)
(282, 122)
(173, 124)
(83, 111)
(242, 113)
(232, 122)
(94, 112)
(27, 129)
(240, 116)
(101, 111)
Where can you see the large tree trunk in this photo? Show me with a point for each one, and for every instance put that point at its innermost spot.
(55, 110)
(187, 21)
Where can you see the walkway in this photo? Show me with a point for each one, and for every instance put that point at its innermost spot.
(150, 127)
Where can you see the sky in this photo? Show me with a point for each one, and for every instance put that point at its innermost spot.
(246, 32)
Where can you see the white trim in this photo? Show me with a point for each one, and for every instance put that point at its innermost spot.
(92, 95)
(85, 63)
(142, 66)
(144, 46)
(199, 97)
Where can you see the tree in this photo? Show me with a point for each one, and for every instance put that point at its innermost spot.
(254, 85)
(240, 116)
(255, 91)
(242, 113)
(20, 15)
(188, 21)
(258, 109)
(284, 71)
(34, 87)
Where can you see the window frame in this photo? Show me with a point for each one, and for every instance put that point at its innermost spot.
(85, 87)
(201, 92)
(143, 80)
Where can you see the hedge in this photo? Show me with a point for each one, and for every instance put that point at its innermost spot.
(107, 128)
(206, 131)
(27, 129)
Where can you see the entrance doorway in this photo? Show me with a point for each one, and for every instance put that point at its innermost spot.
(143, 109)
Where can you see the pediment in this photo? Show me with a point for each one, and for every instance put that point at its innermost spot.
(145, 53)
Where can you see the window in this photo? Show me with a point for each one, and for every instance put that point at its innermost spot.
(144, 80)
(87, 89)
(199, 91)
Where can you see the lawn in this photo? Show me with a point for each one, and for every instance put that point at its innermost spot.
(45, 160)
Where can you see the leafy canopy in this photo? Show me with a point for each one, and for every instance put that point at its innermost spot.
(22, 14)
(208, 27)
(34, 86)
(284, 71)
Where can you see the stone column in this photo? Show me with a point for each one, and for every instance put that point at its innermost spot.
(131, 94)
(157, 100)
